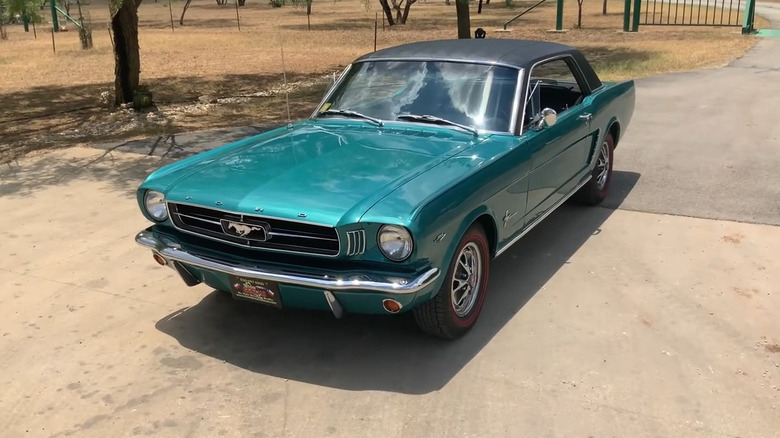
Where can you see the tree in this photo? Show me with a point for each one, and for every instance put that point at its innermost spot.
(24, 8)
(464, 21)
(604, 8)
(302, 3)
(401, 8)
(579, 14)
(127, 61)
(184, 11)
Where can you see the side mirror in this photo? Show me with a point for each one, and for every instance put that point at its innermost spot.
(549, 118)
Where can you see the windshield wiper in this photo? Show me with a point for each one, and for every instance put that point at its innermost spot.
(355, 114)
(426, 118)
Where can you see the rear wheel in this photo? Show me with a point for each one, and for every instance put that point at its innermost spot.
(596, 189)
(456, 306)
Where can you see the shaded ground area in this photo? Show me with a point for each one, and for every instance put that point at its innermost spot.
(60, 116)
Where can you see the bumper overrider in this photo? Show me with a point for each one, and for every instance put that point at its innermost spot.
(363, 293)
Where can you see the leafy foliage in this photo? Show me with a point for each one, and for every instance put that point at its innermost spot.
(16, 10)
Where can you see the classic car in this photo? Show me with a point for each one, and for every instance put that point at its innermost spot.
(422, 163)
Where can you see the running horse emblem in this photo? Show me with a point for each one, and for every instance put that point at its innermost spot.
(244, 230)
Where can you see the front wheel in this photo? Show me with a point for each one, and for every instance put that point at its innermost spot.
(596, 189)
(456, 306)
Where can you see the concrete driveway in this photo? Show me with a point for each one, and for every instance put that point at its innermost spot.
(655, 316)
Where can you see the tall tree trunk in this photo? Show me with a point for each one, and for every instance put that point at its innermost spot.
(464, 21)
(388, 12)
(406, 10)
(604, 8)
(124, 26)
(184, 11)
(308, 7)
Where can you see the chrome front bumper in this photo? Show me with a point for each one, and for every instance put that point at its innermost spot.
(171, 251)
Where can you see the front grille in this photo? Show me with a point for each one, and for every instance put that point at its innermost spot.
(259, 232)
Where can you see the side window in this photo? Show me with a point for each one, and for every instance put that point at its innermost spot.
(553, 85)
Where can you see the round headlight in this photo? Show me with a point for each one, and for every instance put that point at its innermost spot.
(395, 242)
(154, 202)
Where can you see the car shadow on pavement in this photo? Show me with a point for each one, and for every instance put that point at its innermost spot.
(385, 353)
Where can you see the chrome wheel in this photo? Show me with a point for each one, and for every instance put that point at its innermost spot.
(602, 166)
(466, 282)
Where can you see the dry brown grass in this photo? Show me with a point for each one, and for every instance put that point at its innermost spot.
(210, 56)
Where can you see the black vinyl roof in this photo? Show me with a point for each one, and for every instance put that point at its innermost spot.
(517, 53)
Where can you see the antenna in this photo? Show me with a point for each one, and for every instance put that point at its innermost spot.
(286, 91)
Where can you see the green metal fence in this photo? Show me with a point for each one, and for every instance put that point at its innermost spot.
(714, 13)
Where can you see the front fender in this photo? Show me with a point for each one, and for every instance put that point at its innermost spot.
(455, 230)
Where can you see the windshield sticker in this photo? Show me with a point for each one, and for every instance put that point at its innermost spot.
(325, 107)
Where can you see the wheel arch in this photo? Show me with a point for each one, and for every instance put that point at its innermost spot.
(614, 129)
(488, 224)
(484, 217)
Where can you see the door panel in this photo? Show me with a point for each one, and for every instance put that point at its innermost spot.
(559, 156)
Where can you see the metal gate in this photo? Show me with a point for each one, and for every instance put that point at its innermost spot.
(692, 13)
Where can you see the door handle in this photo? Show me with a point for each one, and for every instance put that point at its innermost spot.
(586, 116)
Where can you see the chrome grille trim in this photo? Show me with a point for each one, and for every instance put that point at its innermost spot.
(356, 242)
(288, 236)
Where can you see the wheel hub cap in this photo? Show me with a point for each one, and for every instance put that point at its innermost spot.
(466, 279)
(602, 166)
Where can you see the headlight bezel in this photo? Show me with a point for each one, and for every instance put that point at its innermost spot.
(398, 230)
(160, 206)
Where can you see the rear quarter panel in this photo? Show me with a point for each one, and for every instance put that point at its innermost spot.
(612, 102)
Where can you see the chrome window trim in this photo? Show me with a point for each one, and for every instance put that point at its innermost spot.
(578, 76)
(331, 90)
(227, 242)
(518, 88)
(441, 59)
(516, 101)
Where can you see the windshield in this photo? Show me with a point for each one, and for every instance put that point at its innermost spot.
(476, 95)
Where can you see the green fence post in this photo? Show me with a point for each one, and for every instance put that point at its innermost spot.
(626, 15)
(55, 25)
(637, 12)
(559, 16)
(749, 20)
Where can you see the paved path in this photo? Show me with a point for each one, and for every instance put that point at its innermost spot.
(601, 322)
(707, 143)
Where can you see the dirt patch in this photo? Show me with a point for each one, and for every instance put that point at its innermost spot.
(733, 238)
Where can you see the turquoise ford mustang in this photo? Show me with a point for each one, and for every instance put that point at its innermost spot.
(422, 163)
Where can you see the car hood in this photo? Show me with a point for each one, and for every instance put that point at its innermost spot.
(328, 172)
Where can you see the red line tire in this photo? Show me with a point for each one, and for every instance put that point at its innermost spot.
(454, 309)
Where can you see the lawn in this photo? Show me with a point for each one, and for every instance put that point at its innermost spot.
(209, 74)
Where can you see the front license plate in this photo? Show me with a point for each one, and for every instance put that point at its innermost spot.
(260, 291)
